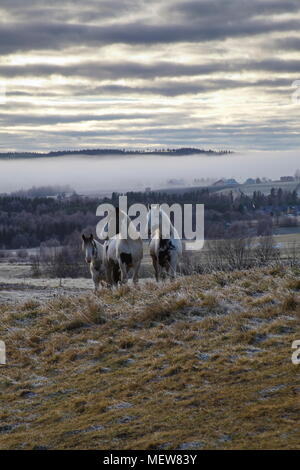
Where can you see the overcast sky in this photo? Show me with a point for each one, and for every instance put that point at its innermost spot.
(207, 73)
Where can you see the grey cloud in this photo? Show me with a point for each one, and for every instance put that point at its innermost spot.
(185, 88)
(291, 44)
(105, 70)
(75, 10)
(113, 71)
(160, 88)
(249, 136)
(25, 119)
(275, 65)
(38, 36)
(233, 9)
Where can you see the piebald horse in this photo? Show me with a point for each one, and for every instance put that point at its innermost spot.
(165, 245)
(123, 253)
(95, 257)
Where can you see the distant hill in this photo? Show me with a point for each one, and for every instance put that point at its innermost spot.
(104, 151)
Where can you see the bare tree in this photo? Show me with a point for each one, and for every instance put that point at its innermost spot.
(264, 226)
(35, 266)
(265, 250)
(292, 254)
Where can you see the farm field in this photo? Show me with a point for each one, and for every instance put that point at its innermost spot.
(265, 188)
(203, 362)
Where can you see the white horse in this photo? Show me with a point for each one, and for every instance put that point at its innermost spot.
(165, 244)
(123, 253)
(95, 257)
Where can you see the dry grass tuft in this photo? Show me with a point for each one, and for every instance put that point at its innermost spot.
(290, 303)
(293, 284)
(155, 312)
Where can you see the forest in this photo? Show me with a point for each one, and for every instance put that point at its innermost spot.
(27, 220)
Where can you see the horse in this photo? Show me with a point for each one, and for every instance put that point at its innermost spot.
(113, 273)
(95, 257)
(165, 248)
(124, 254)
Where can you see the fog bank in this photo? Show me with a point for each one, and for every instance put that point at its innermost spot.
(118, 173)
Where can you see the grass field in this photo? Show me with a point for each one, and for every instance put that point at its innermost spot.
(203, 362)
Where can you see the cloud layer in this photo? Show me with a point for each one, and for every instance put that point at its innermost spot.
(138, 73)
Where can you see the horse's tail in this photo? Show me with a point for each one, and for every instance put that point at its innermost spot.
(116, 273)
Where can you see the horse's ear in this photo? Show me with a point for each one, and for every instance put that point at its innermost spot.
(83, 237)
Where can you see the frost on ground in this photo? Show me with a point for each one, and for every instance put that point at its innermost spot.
(18, 285)
(202, 362)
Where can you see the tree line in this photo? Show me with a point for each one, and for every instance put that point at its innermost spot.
(116, 151)
(27, 222)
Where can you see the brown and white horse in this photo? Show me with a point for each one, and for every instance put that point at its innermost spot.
(95, 257)
(165, 244)
(123, 252)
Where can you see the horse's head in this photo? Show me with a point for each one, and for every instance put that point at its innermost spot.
(159, 220)
(155, 218)
(153, 211)
(89, 248)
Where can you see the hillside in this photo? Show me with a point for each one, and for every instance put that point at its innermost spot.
(200, 363)
(115, 151)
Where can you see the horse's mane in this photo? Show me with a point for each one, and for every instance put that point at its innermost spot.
(98, 245)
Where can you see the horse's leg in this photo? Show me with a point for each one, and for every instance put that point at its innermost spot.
(109, 276)
(124, 276)
(96, 282)
(172, 266)
(135, 277)
(94, 277)
(156, 267)
(116, 274)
